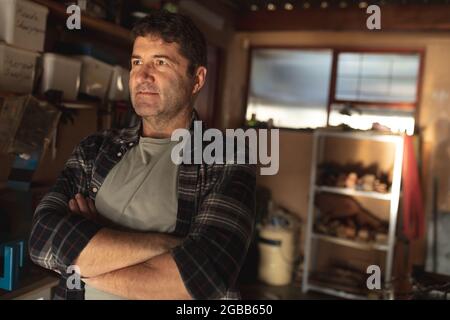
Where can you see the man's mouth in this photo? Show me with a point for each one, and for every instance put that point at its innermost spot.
(147, 93)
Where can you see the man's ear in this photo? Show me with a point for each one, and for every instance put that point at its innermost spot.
(199, 79)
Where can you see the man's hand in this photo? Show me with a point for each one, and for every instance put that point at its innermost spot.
(84, 207)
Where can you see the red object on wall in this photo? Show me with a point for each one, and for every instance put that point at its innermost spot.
(413, 212)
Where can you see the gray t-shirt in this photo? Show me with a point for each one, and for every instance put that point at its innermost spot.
(140, 193)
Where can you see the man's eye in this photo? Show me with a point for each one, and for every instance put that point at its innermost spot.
(160, 62)
(136, 62)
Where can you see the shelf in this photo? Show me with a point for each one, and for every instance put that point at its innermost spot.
(355, 193)
(4, 94)
(385, 248)
(73, 104)
(336, 293)
(105, 27)
(32, 279)
(351, 243)
(80, 105)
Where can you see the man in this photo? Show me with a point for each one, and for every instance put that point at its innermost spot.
(135, 224)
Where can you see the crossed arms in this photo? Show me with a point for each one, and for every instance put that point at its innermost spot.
(116, 261)
(203, 265)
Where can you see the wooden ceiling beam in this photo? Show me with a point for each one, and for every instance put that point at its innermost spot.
(393, 18)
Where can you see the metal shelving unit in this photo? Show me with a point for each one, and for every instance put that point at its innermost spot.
(393, 197)
(355, 193)
(350, 243)
(338, 293)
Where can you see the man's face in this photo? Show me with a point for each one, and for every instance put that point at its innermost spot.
(159, 83)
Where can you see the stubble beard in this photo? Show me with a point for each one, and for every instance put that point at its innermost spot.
(175, 107)
(170, 107)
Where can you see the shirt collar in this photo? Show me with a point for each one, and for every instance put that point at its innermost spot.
(132, 134)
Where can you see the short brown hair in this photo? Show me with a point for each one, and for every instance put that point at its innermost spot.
(178, 28)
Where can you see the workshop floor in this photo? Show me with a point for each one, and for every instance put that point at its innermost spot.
(260, 291)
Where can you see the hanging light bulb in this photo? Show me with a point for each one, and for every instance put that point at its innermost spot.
(254, 7)
(324, 4)
(306, 5)
(288, 6)
(362, 5)
(342, 4)
(271, 7)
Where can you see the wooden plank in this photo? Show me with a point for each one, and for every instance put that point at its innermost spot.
(107, 28)
(393, 18)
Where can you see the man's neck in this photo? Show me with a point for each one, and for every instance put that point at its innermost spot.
(158, 127)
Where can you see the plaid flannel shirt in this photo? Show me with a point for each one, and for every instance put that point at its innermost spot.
(215, 216)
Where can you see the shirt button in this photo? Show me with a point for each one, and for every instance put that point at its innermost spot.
(131, 144)
(119, 154)
(94, 189)
(121, 141)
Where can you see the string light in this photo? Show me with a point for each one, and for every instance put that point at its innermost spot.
(362, 5)
(288, 6)
(271, 7)
(325, 4)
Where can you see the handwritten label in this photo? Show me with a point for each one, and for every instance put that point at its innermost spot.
(29, 21)
(18, 70)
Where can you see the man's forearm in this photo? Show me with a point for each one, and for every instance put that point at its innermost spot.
(111, 250)
(157, 278)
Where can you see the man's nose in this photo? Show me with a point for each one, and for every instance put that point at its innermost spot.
(146, 72)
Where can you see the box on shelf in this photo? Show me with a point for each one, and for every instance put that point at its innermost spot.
(68, 137)
(26, 124)
(61, 73)
(23, 24)
(95, 76)
(17, 69)
(93, 50)
(118, 89)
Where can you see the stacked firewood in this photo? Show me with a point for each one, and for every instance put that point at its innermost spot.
(341, 278)
(353, 176)
(344, 217)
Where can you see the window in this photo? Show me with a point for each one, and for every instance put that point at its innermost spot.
(290, 86)
(298, 88)
(375, 77)
(376, 88)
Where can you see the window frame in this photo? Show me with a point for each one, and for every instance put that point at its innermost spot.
(336, 50)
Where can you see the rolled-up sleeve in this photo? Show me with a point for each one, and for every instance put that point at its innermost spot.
(211, 257)
(57, 237)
